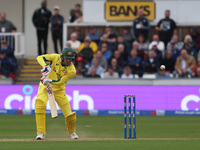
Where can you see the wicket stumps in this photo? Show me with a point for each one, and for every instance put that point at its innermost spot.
(129, 114)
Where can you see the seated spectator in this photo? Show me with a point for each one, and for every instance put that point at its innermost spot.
(188, 38)
(117, 68)
(110, 74)
(123, 53)
(128, 74)
(161, 44)
(175, 51)
(135, 63)
(102, 62)
(80, 36)
(140, 52)
(104, 39)
(86, 53)
(112, 37)
(158, 53)
(9, 53)
(191, 50)
(151, 64)
(120, 60)
(196, 37)
(197, 73)
(79, 16)
(5, 64)
(184, 65)
(94, 35)
(120, 40)
(107, 54)
(99, 69)
(81, 70)
(178, 45)
(93, 73)
(143, 45)
(127, 36)
(194, 70)
(75, 44)
(169, 62)
(93, 46)
(72, 17)
(162, 74)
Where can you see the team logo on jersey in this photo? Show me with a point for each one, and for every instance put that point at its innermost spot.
(54, 69)
(64, 71)
(69, 53)
(57, 64)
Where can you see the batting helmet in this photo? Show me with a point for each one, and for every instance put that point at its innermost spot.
(68, 52)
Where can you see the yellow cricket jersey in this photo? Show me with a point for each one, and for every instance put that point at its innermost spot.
(59, 74)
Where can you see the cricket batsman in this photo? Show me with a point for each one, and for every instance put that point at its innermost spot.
(60, 70)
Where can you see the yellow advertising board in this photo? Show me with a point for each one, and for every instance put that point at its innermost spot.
(127, 10)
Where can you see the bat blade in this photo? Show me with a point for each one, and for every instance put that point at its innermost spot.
(52, 102)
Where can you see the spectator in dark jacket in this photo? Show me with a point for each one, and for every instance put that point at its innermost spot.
(104, 39)
(151, 64)
(94, 35)
(175, 51)
(128, 39)
(116, 67)
(10, 54)
(166, 28)
(169, 62)
(87, 53)
(158, 53)
(41, 18)
(5, 64)
(120, 59)
(120, 40)
(140, 26)
(5, 25)
(196, 37)
(57, 28)
(191, 50)
(81, 70)
(135, 63)
(107, 54)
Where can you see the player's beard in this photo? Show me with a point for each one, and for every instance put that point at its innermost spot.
(65, 64)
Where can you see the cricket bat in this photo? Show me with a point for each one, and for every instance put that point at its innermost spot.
(52, 102)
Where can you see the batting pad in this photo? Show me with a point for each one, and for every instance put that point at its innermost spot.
(70, 122)
(40, 116)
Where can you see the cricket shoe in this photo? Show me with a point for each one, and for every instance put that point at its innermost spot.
(74, 135)
(40, 136)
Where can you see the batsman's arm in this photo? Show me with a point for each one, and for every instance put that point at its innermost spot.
(42, 59)
(64, 79)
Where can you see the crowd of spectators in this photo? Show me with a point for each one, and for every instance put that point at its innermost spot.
(8, 61)
(132, 55)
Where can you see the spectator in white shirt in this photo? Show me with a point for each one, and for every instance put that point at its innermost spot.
(75, 44)
(160, 44)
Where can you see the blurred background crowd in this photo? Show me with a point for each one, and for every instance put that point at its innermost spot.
(130, 54)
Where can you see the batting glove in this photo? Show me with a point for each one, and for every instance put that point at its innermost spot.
(46, 70)
(45, 80)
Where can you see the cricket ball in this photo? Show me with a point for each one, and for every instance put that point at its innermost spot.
(162, 67)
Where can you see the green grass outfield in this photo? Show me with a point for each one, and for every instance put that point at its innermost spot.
(102, 132)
